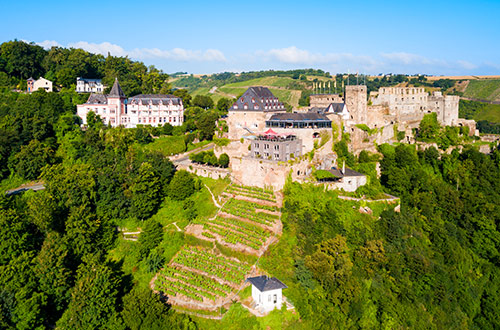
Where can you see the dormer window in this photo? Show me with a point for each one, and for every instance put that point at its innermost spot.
(242, 99)
(253, 100)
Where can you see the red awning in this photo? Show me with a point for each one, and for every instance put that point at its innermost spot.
(270, 132)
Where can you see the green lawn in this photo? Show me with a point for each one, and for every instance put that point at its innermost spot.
(168, 145)
(483, 89)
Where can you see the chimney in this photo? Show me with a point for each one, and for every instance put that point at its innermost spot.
(343, 168)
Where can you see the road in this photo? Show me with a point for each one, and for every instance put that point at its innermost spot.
(185, 156)
(35, 186)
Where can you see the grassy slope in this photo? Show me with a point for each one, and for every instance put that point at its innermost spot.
(483, 89)
(170, 211)
(277, 85)
(491, 113)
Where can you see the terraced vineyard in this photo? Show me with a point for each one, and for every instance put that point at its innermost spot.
(253, 192)
(234, 231)
(200, 275)
(204, 279)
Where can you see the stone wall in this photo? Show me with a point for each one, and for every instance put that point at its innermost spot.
(205, 171)
(324, 100)
(239, 121)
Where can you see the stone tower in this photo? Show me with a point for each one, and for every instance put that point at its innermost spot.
(355, 100)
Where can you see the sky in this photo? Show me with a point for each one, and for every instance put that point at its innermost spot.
(371, 37)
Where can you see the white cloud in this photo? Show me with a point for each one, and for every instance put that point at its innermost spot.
(294, 55)
(47, 44)
(467, 65)
(176, 54)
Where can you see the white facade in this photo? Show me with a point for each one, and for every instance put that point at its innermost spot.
(89, 85)
(41, 83)
(267, 300)
(130, 113)
(154, 111)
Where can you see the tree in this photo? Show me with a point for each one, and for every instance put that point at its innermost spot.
(203, 101)
(167, 129)
(29, 161)
(145, 192)
(151, 236)
(224, 104)
(181, 186)
(206, 125)
(142, 309)
(429, 128)
(53, 274)
(184, 95)
(224, 160)
(94, 298)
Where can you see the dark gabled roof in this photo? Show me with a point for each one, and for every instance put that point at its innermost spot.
(30, 78)
(265, 283)
(97, 99)
(302, 116)
(258, 99)
(348, 172)
(116, 91)
(89, 79)
(336, 107)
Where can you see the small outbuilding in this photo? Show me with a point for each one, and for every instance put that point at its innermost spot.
(266, 292)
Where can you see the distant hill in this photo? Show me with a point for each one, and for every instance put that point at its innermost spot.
(484, 89)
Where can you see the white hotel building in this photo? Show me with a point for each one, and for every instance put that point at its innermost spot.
(144, 109)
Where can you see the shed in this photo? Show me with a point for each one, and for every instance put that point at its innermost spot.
(266, 292)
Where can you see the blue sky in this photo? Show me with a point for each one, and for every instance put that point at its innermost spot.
(432, 37)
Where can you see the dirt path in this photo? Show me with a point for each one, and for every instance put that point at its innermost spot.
(213, 197)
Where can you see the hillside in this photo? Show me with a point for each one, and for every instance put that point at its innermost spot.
(487, 89)
(285, 88)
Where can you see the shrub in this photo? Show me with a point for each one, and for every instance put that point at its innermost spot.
(181, 186)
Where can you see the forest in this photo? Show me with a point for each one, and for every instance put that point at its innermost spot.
(435, 264)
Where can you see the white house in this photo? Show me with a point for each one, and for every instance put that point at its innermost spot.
(41, 83)
(266, 292)
(84, 85)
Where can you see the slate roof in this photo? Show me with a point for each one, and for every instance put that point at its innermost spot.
(336, 107)
(265, 283)
(154, 99)
(116, 91)
(348, 172)
(258, 99)
(97, 99)
(89, 79)
(302, 116)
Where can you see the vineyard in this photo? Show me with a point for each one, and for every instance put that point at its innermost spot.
(200, 275)
(252, 192)
(203, 279)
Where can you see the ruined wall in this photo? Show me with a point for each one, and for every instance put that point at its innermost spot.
(409, 105)
(238, 120)
(259, 172)
(205, 171)
(324, 100)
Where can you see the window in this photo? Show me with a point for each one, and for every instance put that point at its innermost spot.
(269, 299)
(276, 147)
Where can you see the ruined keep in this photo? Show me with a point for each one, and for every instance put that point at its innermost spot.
(355, 100)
